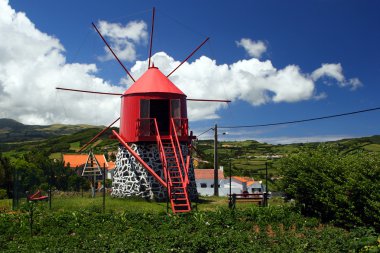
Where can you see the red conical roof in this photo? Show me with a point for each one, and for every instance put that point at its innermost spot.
(153, 81)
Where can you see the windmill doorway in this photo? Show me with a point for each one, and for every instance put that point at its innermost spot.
(160, 110)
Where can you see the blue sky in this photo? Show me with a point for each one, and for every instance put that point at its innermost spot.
(298, 37)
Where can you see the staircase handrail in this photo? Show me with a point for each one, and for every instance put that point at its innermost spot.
(177, 145)
(162, 154)
(183, 177)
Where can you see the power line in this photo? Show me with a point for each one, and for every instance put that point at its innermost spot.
(205, 131)
(304, 120)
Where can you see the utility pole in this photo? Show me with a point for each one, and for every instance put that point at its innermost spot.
(216, 179)
(104, 187)
(266, 184)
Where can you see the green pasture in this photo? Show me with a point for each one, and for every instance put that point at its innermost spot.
(372, 147)
(75, 202)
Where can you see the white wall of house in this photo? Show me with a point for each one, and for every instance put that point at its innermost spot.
(236, 187)
(110, 174)
(256, 187)
(205, 187)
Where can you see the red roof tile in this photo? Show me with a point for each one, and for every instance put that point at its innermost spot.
(79, 160)
(243, 179)
(207, 174)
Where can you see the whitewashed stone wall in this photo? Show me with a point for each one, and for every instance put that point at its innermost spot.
(132, 179)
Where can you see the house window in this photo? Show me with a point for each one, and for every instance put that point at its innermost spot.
(203, 185)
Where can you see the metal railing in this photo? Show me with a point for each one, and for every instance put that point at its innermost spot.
(176, 144)
(146, 127)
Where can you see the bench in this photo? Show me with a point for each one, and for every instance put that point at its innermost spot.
(257, 198)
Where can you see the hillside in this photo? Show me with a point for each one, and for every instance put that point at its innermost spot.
(16, 137)
(14, 131)
(246, 158)
(250, 158)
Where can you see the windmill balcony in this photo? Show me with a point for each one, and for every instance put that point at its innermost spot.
(147, 130)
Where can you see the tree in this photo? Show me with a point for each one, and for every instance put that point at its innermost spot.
(5, 175)
(335, 186)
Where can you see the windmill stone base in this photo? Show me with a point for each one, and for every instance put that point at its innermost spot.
(132, 179)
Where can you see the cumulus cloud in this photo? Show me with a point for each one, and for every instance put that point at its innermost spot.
(256, 82)
(123, 39)
(253, 48)
(335, 71)
(33, 63)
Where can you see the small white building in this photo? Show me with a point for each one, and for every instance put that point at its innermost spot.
(204, 179)
(205, 183)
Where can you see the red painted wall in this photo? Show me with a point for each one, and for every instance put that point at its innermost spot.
(130, 113)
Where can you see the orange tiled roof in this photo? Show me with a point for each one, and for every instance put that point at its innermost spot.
(207, 174)
(111, 165)
(251, 182)
(79, 160)
(243, 179)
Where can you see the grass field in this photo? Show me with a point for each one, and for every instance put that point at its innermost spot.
(77, 224)
(75, 146)
(372, 147)
(75, 202)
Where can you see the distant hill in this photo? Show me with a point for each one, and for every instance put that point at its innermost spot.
(249, 158)
(249, 154)
(16, 137)
(14, 131)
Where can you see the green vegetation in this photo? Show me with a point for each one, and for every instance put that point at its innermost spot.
(248, 158)
(274, 229)
(336, 186)
(12, 131)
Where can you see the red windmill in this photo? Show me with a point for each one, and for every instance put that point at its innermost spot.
(153, 159)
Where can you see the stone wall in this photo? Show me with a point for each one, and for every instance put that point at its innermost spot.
(132, 179)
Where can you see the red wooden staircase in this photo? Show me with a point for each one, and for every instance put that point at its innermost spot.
(176, 176)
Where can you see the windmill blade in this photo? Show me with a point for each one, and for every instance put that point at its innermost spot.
(208, 100)
(151, 37)
(88, 91)
(109, 47)
(189, 56)
(120, 94)
(98, 135)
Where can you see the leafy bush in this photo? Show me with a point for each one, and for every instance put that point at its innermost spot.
(275, 229)
(334, 186)
(3, 194)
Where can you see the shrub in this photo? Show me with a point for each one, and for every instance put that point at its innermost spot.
(3, 194)
(340, 187)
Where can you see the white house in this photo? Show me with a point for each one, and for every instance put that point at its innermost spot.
(205, 183)
(204, 179)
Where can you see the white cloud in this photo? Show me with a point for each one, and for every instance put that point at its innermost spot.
(304, 139)
(243, 134)
(32, 64)
(123, 39)
(256, 82)
(253, 48)
(335, 71)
